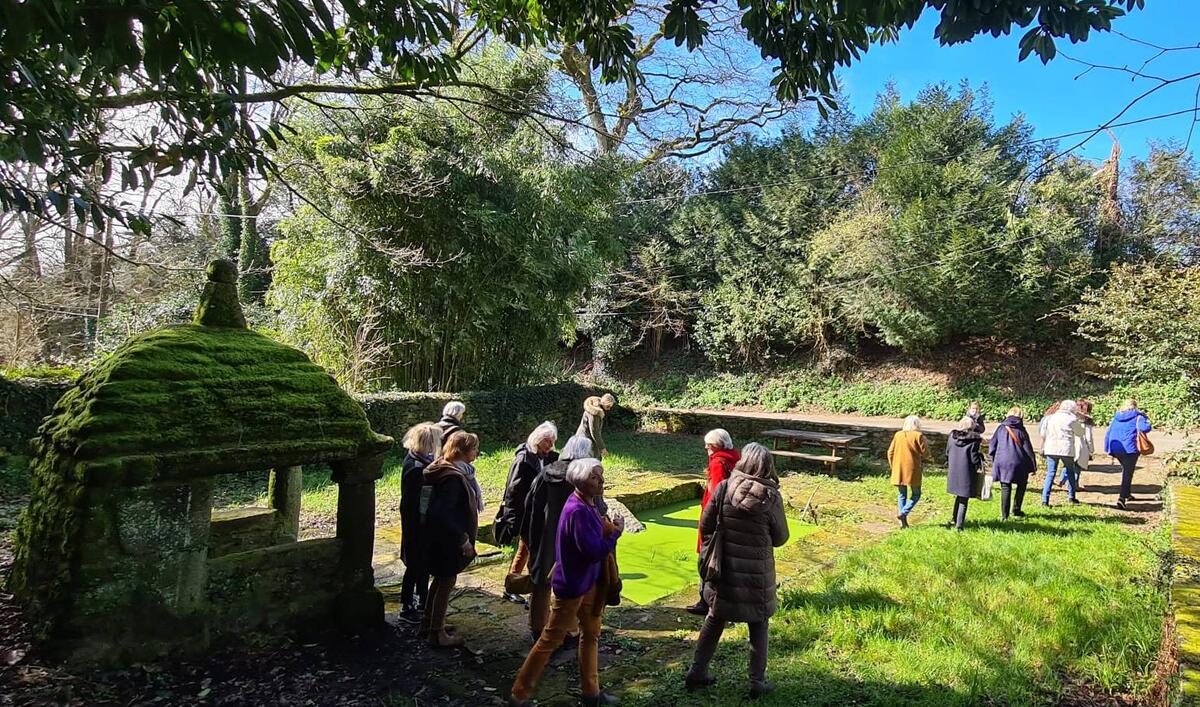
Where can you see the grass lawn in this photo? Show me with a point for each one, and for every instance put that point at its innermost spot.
(1000, 614)
(634, 456)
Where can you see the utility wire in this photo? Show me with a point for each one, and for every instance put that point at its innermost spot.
(842, 175)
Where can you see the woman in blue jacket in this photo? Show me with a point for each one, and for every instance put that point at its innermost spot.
(1121, 442)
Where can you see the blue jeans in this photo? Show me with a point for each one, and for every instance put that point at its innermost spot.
(1070, 471)
(905, 503)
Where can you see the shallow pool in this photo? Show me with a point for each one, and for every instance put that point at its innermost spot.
(662, 560)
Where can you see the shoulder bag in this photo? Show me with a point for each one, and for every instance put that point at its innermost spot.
(711, 555)
(1144, 445)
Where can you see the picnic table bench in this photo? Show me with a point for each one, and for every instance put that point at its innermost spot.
(836, 447)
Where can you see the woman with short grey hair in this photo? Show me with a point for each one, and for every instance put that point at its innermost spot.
(543, 508)
(452, 418)
(963, 461)
(585, 540)
(749, 506)
(537, 450)
(722, 456)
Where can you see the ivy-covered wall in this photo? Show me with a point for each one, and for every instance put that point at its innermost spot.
(507, 414)
(23, 404)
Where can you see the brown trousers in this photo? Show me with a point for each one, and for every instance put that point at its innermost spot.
(563, 615)
(433, 621)
(520, 559)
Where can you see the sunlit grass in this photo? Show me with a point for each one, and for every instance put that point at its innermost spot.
(998, 614)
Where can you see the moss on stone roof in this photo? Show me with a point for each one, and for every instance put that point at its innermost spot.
(176, 403)
(193, 400)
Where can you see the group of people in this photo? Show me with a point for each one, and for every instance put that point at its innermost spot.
(554, 515)
(1068, 446)
(553, 512)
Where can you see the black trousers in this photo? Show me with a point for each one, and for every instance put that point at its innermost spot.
(414, 585)
(1128, 464)
(960, 511)
(1007, 502)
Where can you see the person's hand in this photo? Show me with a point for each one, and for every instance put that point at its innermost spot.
(619, 522)
(468, 551)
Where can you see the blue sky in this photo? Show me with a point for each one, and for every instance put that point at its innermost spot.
(1053, 97)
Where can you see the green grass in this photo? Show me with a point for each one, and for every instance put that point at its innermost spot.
(633, 453)
(1000, 614)
(1168, 404)
(662, 560)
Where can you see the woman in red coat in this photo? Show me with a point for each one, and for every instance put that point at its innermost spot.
(721, 457)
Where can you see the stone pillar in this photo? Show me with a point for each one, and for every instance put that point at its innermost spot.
(284, 488)
(360, 604)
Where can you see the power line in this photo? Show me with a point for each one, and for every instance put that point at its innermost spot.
(841, 175)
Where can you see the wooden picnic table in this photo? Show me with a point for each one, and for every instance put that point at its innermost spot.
(838, 445)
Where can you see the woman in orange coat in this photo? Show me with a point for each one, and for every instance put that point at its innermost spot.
(905, 455)
(722, 456)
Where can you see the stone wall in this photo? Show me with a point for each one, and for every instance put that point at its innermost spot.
(23, 405)
(508, 414)
(747, 427)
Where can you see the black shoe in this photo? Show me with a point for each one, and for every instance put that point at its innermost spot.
(1045, 504)
(758, 688)
(601, 699)
(515, 598)
(903, 518)
(958, 528)
(1019, 513)
(1073, 501)
(698, 682)
(1121, 503)
(699, 609)
(410, 615)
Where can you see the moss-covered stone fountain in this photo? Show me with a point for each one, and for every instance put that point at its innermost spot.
(120, 557)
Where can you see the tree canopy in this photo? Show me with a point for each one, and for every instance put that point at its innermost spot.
(187, 67)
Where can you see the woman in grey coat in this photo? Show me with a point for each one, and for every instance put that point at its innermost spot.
(750, 507)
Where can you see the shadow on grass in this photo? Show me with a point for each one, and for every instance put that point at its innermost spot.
(835, 599)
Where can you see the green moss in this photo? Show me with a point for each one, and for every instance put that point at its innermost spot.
(175, 403)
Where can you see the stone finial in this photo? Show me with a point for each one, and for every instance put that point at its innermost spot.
(219, 305)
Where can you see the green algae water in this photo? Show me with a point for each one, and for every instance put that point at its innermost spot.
(662, 560)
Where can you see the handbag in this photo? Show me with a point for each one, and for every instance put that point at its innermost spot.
(612, 580)
(985, 494)
(1144, 445)
(711, 554)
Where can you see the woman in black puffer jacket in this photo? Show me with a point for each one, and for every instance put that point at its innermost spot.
(750, 507)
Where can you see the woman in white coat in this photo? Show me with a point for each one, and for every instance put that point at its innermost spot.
(1062, 438)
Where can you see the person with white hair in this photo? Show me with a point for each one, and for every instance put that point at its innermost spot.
(748, 509)
(963, 461)
(452, 418)
(537, 450)
(543, 508)
(722, 456)
(906, 455)
(585, 539)
(1062, 435)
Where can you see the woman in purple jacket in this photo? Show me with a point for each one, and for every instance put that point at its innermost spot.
(1121, 442)
(585, 540)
